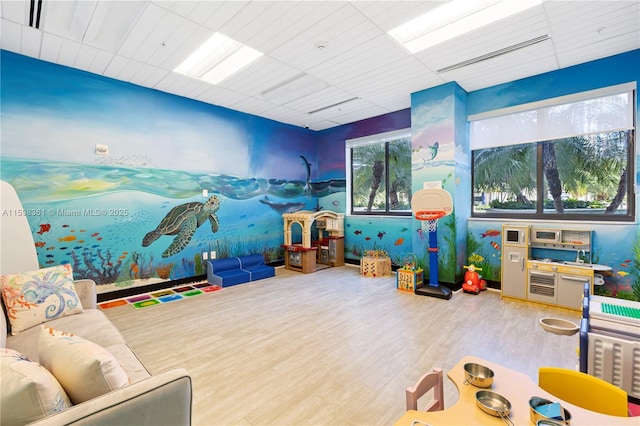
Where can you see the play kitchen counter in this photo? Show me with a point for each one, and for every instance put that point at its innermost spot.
(557, 283)
(516, 387)
(530, 271)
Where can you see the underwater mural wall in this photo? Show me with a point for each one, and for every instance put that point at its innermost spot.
(615, 244)
(131, 185)
(438, 142)
(363, 233)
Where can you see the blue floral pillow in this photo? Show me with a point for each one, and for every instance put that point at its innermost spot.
(32, 298)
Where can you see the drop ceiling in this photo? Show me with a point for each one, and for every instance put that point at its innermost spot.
(325, 63)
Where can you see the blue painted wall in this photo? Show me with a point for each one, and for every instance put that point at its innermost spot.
(99, 212)
(94, 211)
(363, 232)
(616, 245)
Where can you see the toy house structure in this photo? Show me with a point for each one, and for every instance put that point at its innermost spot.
(328, 249)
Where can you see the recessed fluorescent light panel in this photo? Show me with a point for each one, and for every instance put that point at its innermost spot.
(453, 19)
(217, 59)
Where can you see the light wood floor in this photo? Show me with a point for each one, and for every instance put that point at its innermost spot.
(331, 347)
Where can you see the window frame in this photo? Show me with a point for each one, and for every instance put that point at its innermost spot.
(540, 214)
(378, 138)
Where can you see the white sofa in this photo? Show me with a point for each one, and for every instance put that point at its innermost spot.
(159, 399)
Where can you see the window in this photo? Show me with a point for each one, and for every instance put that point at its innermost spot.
(570, 159)
(379, 178)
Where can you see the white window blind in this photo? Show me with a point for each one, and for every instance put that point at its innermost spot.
(378, 138)
(555, 119)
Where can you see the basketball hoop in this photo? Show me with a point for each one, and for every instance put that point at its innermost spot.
(429, 214)
(429, 219)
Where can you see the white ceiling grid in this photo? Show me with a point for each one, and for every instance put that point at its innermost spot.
(142, 42)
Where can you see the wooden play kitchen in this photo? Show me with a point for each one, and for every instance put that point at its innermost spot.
(328, 249)
(548, 265)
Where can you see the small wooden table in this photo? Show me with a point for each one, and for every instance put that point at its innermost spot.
(513, 385)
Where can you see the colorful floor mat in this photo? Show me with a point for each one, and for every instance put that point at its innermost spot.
(163, 296)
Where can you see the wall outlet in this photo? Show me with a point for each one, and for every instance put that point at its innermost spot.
(213, 254)
(205, 255)
(205, 192)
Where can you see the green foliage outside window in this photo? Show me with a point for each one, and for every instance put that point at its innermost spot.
(381, 177)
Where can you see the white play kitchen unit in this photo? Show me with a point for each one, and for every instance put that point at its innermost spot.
(548, 265)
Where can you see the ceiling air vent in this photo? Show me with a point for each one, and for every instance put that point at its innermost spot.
(496, 53)
(35, 8)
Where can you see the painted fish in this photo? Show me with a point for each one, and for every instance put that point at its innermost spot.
(68, 238)
(490, 233)
(45, 227)
(367, 238)
(624, 265)
(41, 244)
(495, 245)
(51, 248)
(623, 273)
(399, 241)
(433, 150)
(282, 208)
(50, 261)
(95, 234)
(65, 226)
(381, 234)
(403, 229)
(50, 256)
(357, 232)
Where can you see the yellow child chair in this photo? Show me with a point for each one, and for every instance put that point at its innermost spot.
(583, 390)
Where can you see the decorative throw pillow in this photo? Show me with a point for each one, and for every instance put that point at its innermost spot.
(84, 369)
(29, 391)
(32, 298)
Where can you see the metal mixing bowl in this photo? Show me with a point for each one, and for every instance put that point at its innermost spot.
(478, 375)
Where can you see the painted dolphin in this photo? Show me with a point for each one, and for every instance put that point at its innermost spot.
(282, 208)
(307, 166)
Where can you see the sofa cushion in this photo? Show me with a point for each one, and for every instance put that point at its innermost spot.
(35, 297)
(84, 369)
(29, 391)
(92, 324)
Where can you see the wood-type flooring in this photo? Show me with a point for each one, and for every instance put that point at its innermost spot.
(331, 347)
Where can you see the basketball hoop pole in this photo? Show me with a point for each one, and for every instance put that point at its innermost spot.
(428, 205)
(433, 256)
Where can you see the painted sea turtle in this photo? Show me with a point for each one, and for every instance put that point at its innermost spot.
(182, 221)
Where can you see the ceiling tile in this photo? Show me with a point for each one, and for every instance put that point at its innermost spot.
(11, 36)
(85, 57)
(30, 39)
(15, 11)
(142, 42)
(51, 45)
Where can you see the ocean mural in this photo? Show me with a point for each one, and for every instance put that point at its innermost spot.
(393, 235)
(131, 186)
(125, 226)
(434, 161)
(614, 246)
